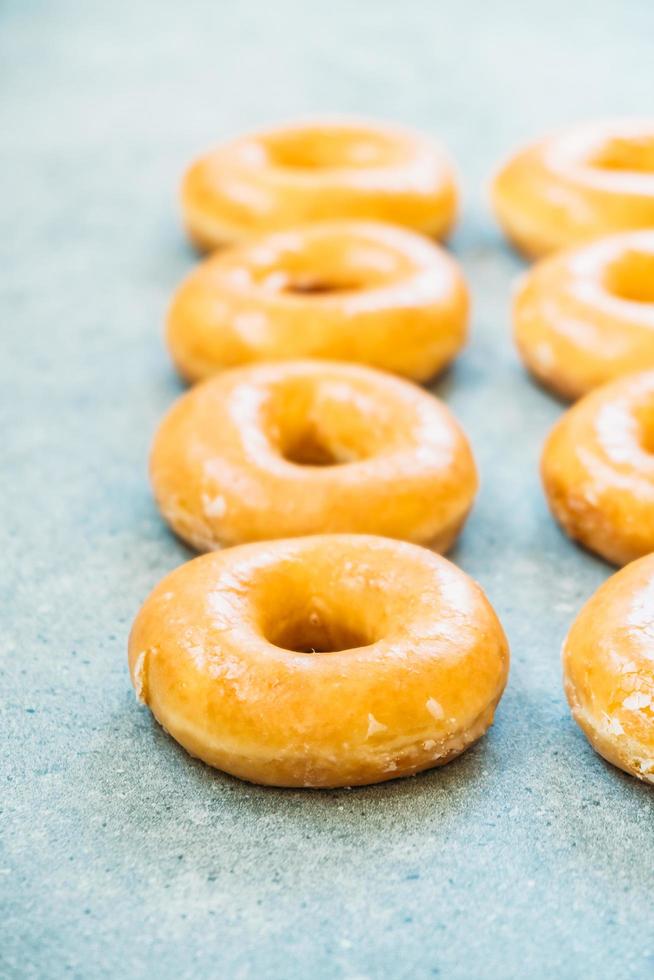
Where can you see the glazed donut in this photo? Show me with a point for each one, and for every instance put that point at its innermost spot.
(352, 291)
(302, 447)
(608, 665)
(322, 169)
(586, 316)
(598, 469)
(332, 660)
(590, 180)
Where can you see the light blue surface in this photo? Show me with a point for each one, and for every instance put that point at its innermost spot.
(529, 857)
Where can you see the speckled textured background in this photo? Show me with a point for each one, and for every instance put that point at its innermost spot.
(529, 857)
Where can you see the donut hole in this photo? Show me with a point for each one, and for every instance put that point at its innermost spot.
(331, 148)
(313, 632)
(631, 277)
(324, 608)
(626, 153)
(321, 422)
(307, 286)
(326, 263)
(311, 447)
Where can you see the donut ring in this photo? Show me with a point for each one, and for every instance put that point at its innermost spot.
(321, 169)
(302, 447)
(333, 660)
(598, 469)
(608, 666)
(587, 181)
(352, 291)
(585, 317)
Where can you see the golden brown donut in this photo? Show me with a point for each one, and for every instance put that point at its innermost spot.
(303, 447)
(608, 666)
(333, 660)
(589, 180)
(321, 169)
(349, 290)
(598, 469)
(585, 316)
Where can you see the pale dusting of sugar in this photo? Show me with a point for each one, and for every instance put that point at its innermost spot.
(615, 427)
(435, 709)
(571, 202)
(275, 281)
(591, 496)
(263, 255)
(229, 669)
(544, 356)
(240, 276)
(213, 506)
(425, 454)
(374, 726)
(197, 654)
(637, 701)
(613, 727)
(140, 678)
(251, 326)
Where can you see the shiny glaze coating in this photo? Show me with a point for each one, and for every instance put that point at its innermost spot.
(590, 180)
(608, 666)
(304, 447)
(598, 469)
(586, 316)
(355, 291)
(334, 660)
(321, 169)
